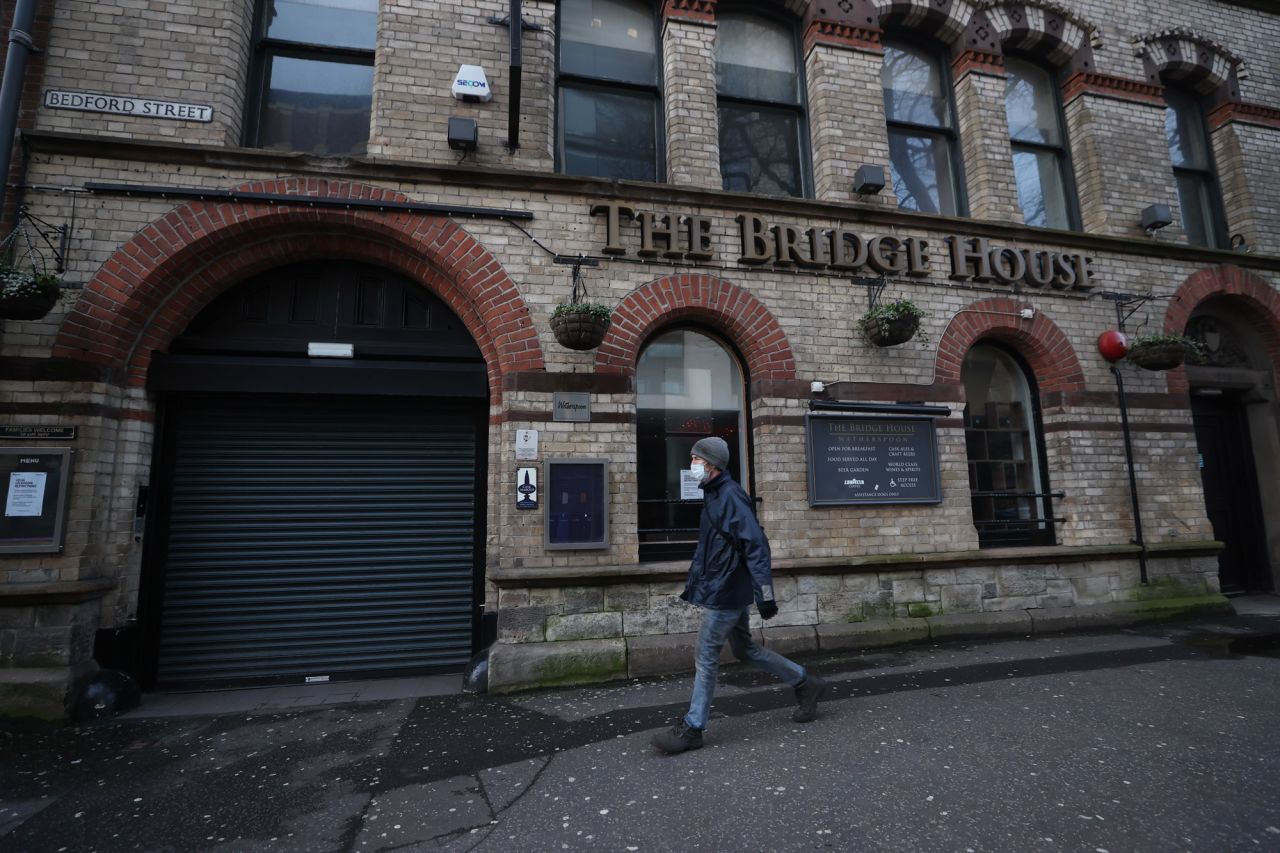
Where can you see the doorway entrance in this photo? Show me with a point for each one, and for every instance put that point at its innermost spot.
(319, 518)
(1229, 475)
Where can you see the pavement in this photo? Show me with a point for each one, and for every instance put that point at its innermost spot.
(1158, 737)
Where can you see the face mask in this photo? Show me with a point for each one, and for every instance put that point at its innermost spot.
(699, 470)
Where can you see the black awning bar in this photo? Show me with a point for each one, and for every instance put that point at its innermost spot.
(1056, 495)
(238, 197)
(879, 408)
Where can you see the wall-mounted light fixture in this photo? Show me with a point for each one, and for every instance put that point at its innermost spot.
(868, 180)
(1155, 217)
(463, 134)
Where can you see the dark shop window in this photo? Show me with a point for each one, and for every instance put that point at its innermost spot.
(761, 107)
(1007, 481)
(608, 89)
(923, 152)
(689, 385)
(1192, 156)
(1036, 135)
(312, 80)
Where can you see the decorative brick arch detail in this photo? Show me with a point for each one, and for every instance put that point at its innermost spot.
(1047, 350)
(944, 20)
(1260, 298)
(1182, 55)
(716, 303)
(1043, 27)
(147, 293)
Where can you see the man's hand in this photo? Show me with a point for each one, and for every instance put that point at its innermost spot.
(768, 609)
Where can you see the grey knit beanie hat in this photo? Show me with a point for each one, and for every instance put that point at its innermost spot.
(714, 450)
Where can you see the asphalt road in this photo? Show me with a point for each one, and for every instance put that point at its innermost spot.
(1154, 739)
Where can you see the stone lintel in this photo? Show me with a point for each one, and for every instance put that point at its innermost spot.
(57, 592)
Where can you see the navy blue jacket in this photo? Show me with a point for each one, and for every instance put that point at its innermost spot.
(729, 575)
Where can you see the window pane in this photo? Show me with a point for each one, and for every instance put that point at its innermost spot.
(921, 167)
(317, 107)
(340, 23)
(760, 151)
(688, 386)
(1184, 128)
(1040, 189)
(1003, 451)
(1030, 103)
(756, 58)
(1197, 210)
(914, 88)
(609, 134)
(609, 40)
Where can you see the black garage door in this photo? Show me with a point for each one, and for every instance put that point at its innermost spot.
(313, 537)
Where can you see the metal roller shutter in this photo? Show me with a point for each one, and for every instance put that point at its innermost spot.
(317, 537)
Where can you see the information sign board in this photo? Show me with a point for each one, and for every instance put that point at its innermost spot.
(872, 460)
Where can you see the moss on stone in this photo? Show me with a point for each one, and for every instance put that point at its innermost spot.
(580, 668)
(1163, 588)
(1184, 606)
(918, 609)
(878, 609)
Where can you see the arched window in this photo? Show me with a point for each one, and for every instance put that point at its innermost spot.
(608, 89)
(923, 154)
(761, 106)
(689, 385)
(1040, 164)
(1007, 481)
(1192, 156)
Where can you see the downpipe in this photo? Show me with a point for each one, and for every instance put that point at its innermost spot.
(15, 69)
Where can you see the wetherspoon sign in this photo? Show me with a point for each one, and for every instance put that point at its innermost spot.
(688, 237)
(871, 460)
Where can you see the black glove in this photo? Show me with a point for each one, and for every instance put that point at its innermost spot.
(768, 609)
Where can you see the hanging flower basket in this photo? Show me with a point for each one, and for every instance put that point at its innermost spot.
(580, 325)
(25, 295)
(1161, 352)
(891, 324)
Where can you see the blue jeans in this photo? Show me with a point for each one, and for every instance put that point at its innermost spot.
(731, 625)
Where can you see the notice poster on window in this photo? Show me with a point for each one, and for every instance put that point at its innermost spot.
(872, 460)
(35, 501)
(689, 490)
(26, 494)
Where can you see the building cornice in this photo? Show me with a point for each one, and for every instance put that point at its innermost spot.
(661, 196)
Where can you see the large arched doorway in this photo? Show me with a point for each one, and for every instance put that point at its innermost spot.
(1233, 405)
(319, 508)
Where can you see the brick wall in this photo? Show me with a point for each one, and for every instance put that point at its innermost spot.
(692, 122)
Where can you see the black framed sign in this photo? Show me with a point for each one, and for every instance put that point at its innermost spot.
(576, 493)
(872, 460)
(36, 485)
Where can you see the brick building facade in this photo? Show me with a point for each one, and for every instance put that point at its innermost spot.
(241, 509)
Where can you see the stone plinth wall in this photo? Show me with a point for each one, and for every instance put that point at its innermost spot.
(593, 629)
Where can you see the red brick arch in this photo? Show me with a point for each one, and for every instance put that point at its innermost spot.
(719, 304)
(1260, 298)
(1050, 355)
(147, 293)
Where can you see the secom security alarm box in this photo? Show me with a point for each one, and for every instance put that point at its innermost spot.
(470, 84)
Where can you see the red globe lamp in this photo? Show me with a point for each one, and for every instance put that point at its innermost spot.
(1113, 345)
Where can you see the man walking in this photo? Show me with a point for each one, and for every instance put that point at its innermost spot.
(731, 568)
